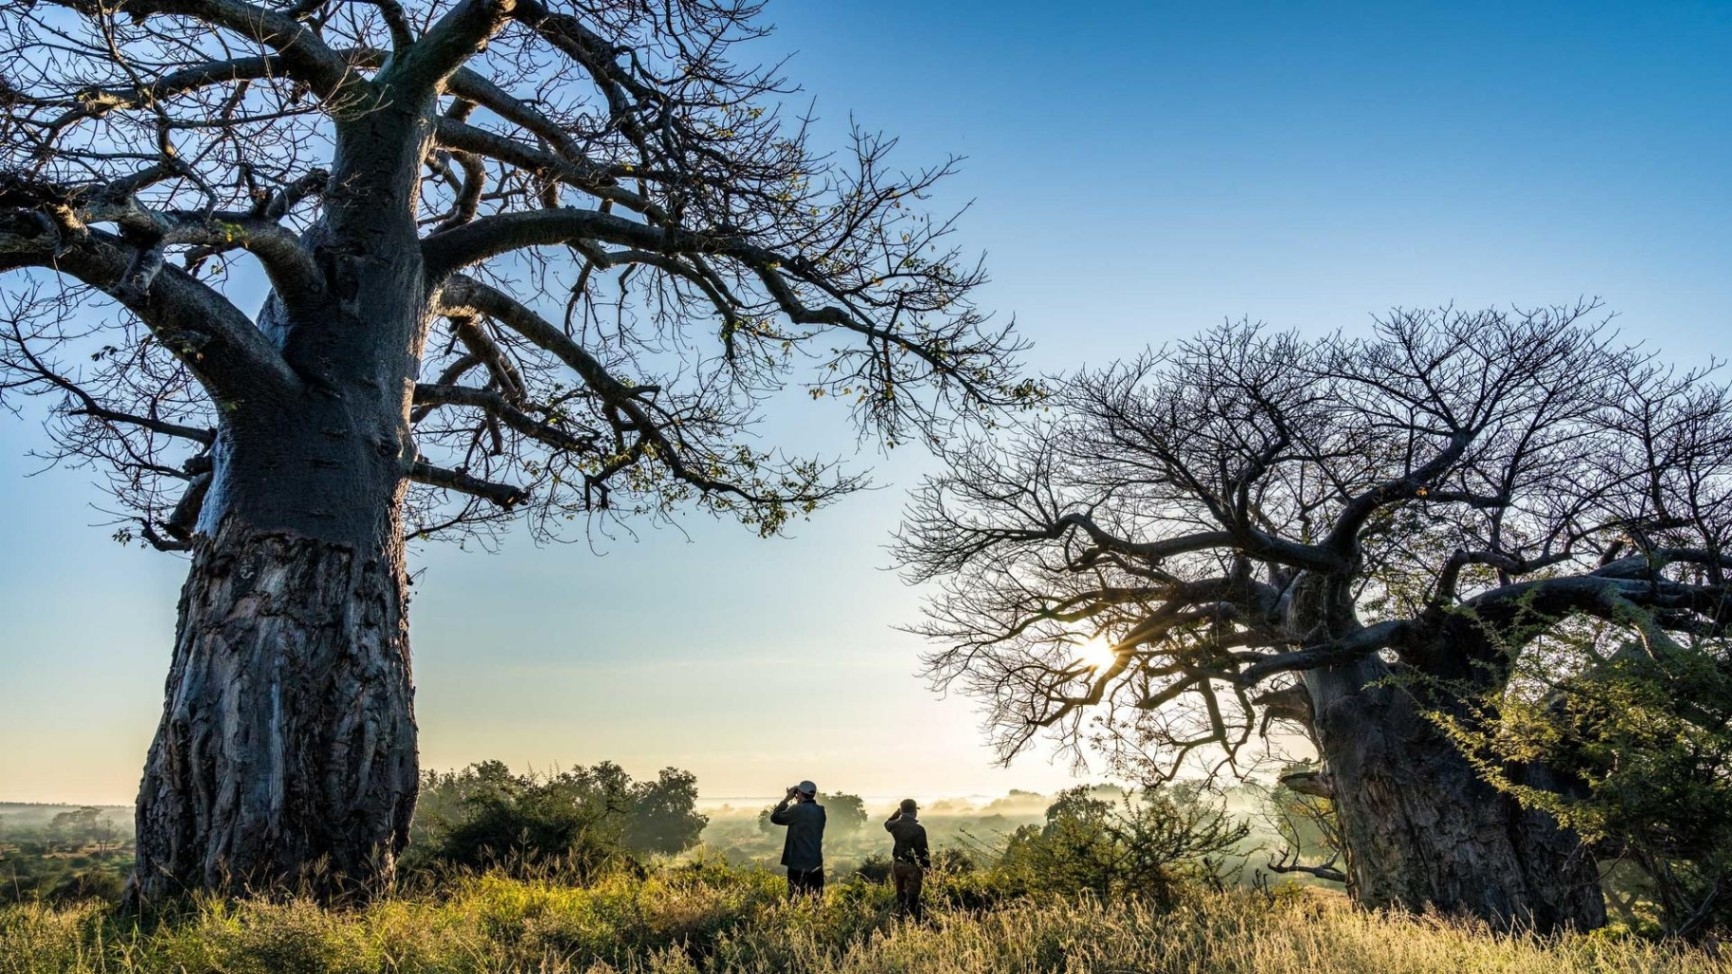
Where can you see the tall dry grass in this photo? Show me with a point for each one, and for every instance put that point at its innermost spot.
(711, 918)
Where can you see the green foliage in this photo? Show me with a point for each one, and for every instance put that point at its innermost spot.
(875, 868)
(660, 817)
(1636, 742)
(583, 821)
(1145, 845)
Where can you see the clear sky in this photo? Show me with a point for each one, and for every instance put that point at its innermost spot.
(1138, 171)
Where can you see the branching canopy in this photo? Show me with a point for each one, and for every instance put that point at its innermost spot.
(628, 249)
(1231, 512)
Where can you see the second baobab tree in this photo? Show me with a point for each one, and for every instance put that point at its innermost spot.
(304, 279)
(1359, 538)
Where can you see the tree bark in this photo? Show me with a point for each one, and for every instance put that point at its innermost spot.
(286, 751)
(1424, 832)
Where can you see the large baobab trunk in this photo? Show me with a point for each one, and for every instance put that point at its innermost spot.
(1423, 831)
(286, 753)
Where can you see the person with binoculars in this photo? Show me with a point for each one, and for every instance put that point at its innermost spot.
(803, 849)
(910, 858)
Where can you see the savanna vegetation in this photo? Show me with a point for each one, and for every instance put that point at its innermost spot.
(711, 918)
(1101, 879)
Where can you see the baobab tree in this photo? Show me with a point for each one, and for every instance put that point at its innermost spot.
(1359, 536)
(509, 257)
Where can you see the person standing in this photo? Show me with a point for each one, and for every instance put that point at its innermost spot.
(803, 849)
(910, 859)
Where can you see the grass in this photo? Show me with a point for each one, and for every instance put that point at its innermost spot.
(709, 917)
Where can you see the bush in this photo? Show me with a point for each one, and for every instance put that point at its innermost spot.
(90, 884)
(951, 859)
(875, 868)
(1145, 845)
(580, 823)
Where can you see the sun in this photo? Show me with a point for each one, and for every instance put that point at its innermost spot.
(1097, 653)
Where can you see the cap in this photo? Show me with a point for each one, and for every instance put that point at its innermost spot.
(806, 788)
(908, 805)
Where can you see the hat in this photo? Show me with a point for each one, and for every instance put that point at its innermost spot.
(908, 805)
(806, 788)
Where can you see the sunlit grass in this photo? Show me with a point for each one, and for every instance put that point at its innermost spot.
(712, 918)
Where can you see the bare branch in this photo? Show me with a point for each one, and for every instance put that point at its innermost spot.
(620, 157)
(1356, 646)
(1287, 861)
(497, 406)
(198, 324)
(304, 55)
(94, 411)
(502, 495)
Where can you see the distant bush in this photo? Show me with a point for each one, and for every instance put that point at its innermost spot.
(844, 816)
(1144, 845)
(875, 868)
(91, 884)
(581, 822)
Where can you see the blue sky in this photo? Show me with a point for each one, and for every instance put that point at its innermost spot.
(1137, 172)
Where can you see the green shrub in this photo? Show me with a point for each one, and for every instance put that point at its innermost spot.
(579, 824)
(100, 883)
(874, 868)
(1145, 845)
